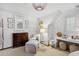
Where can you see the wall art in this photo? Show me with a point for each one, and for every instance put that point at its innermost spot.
(10, 23)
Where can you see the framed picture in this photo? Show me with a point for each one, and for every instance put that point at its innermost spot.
(26, 23)
(10, 23)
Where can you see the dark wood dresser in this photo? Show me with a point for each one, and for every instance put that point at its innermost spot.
(19, 39)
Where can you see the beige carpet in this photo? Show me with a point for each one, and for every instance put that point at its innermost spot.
(42, 51)
(50, 51)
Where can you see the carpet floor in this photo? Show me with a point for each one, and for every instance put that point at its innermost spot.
(42, 51)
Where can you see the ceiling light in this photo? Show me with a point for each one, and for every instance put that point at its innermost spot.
(39, 6)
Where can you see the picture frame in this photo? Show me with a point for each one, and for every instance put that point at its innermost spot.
(10, 23)
(26, 23)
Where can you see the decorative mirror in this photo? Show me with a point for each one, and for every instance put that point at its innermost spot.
(59, 34)
(19, 24)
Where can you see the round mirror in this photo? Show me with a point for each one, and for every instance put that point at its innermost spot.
(59, 34)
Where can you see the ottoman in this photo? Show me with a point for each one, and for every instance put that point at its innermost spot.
(31, 46)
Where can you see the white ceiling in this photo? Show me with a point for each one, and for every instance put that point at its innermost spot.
(28, 8)
(14, 7)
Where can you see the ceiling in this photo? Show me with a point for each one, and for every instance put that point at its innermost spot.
(26, 8)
